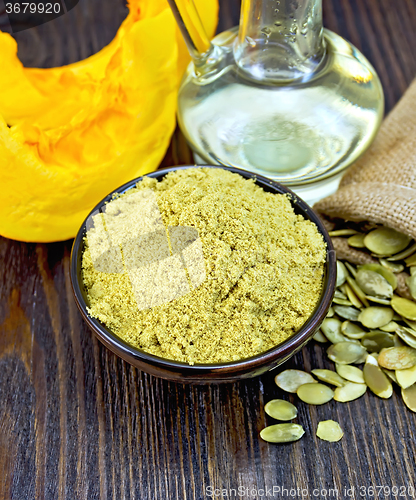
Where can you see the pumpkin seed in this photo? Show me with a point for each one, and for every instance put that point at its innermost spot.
(329, 430)
(281, 409)
(386, 241)
(339, 295)
(352, 331)
(407, 337)
(397, 358)
(282, 433)
(390, 327)
(411, 261)
(409, 397)
(374, 317)
(373, 284)
(390, 277)
(331, 328)
(409, 330)
(391, 374)
(406, 378)
(356, 241)
(330, 313)
(320, 337)
(404, 307)
(377, 300)
(376, 341)
(349, 392)
(290, 380)
(342, 273)
(351, 269)
(345, 353)
(412, 324)
(412, 270)
(376, 379)
(357, 290)
(353, 298)
(391, 266)
(402, 255)
(411, 285)
(350, 373)
(341, 302)
(315, 394)
(342, 232)
(347, 312)
(328, 376)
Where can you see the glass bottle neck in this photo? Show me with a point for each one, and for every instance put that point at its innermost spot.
(280, 40)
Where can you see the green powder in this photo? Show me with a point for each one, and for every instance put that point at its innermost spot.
(264, 272)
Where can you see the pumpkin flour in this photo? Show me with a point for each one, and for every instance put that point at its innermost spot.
(263, 263)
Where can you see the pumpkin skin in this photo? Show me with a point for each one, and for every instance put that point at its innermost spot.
(70, 135)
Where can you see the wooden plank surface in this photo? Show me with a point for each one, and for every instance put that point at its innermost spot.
(77, 422)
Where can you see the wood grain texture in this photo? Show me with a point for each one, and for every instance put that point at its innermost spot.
(76, 422)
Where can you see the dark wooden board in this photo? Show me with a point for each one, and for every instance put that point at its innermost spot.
(77, 422)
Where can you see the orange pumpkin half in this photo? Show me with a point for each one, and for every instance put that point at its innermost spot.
(70, 135)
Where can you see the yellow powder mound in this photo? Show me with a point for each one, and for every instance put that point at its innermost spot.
(264, 271)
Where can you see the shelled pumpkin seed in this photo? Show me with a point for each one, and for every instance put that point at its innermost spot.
(345, 353)
(291, 380)
(394, 267)
(376, 340)
(404, 307)
(406, 378)
(280, 409)
(329, 376)
(411, 285)
(320, 337)
(354, 300)
(391, 374)
(374, 317)
(397, 358)
(331, 328)
(330, 313)
(409, 397)
(349, 392)
(408, 338)
(329, 430)
(342, 232)
(357, 240)
(350, 373)
(357, 290)
(376, 379)
(389, 276)
(282, 433)
(342, 273)
(347, 312)
(403, 255)
(386, 241)
(373, 284)
(390, 327)
(315, 394)
(352, 330)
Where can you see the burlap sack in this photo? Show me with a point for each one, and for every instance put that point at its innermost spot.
(381, 186)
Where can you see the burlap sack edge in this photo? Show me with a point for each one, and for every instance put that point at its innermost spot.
(379, 203)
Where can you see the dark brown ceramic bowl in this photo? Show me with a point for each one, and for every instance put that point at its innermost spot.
(207, 373)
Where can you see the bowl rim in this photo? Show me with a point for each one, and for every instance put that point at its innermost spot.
(285, 349)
